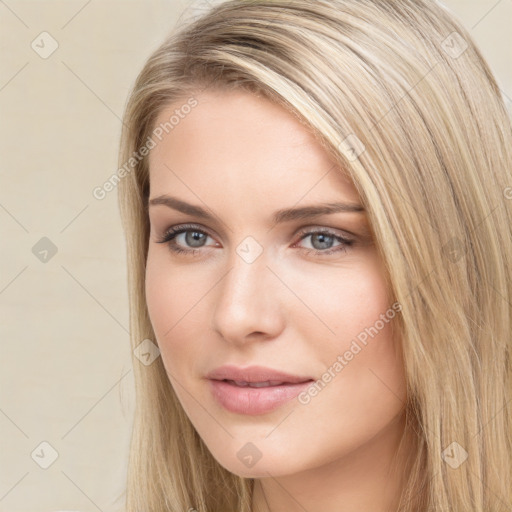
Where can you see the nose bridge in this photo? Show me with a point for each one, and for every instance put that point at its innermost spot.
(248, 299)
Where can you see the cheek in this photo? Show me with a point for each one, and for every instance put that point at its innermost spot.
(343, 302)
(360, 349)
(173, 301)
(365, 330)
(171, 290)
(161, 304)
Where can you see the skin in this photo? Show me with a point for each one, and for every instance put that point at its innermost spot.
(242, 158)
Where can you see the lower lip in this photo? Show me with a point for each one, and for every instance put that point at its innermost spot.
(252, 401)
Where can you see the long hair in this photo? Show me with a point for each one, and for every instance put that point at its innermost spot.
(400, 96)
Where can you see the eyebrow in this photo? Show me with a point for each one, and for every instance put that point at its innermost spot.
(280, 216)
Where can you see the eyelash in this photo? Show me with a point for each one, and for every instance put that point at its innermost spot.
(170, 235)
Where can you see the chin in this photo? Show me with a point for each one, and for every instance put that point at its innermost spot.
(242, 466)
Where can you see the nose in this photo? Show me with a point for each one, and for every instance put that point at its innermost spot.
(248, 302)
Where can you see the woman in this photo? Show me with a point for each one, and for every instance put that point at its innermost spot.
(318, 215)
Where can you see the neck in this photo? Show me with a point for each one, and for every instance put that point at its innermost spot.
(369, 478)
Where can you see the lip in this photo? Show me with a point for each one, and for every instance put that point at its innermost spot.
(254, 374)
(254, 400)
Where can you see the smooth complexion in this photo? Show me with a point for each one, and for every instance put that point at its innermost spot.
(296, 308)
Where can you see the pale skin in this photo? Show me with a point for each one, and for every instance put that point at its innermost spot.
(293, 309)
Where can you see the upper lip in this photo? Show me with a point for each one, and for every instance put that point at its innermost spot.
(254, 374)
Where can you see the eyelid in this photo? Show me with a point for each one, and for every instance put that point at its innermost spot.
(347, 235)
(345, 243)
(305, 230)
(180, 228)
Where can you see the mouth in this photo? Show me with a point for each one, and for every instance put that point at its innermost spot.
(254, 390)
(255, 375)
(265, 384)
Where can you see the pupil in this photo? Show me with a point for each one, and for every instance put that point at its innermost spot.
(192, 237)
(322, 238)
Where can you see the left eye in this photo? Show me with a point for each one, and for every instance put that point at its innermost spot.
(194, 238)
(322, 241)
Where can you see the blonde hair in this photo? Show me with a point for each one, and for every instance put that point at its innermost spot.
(400, 96)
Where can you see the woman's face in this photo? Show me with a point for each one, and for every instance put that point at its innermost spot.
(291, 292)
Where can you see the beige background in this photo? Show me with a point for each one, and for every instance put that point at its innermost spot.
(66, 375)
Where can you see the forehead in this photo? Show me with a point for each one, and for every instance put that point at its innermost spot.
(236, 142)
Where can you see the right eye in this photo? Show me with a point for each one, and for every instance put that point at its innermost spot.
(194, 238)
